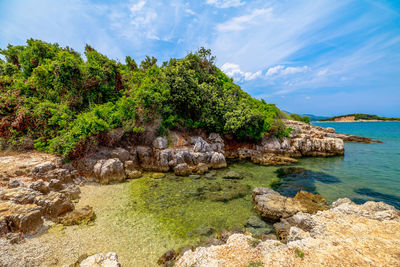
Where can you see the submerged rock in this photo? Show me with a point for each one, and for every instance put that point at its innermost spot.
(158, 175)
(83, 215)
(294, 179)
(101, 260)
(205, 230)
(256, 222)
(167, 258)
(233, 175)
(225, 191)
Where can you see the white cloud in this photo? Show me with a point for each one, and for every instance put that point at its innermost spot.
(138, 6)
(249, 76)
(234, 71)
(225, 3)
(241, 22)
(189, 11)
(280, 70)
(274, 70)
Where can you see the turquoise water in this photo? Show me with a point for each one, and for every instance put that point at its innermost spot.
(366, 171)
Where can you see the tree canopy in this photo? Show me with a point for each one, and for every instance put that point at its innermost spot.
(51, 95)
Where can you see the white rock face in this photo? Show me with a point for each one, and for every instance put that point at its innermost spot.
(201, 146)
(110, 170)
(120, 153)
(218, 160)
(101, 260)
(160, 143)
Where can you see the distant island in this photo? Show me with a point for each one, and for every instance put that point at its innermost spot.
(358, 118)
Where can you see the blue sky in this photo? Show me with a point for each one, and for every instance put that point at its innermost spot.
(322, 57)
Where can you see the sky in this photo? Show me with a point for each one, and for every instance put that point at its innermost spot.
(322, 57)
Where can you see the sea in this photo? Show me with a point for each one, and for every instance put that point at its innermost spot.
(366, 171)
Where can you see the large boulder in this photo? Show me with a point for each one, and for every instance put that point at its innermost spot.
(110, 170)
(218, 160)
(120, 153)
(14, 217)
(182, 169)
(273, 206)
(54, 204)
(145, 157)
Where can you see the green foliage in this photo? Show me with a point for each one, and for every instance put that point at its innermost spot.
(63, 102)
(296, 117)
(305, 119)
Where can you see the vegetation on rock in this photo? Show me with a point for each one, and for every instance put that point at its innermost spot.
(52, 98)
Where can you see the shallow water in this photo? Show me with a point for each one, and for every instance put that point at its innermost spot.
(141, 219)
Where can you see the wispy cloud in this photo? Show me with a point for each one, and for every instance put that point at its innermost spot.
(257, 16)
(284, 71)
(225, 3)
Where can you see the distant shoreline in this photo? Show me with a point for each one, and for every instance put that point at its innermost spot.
(361, 121)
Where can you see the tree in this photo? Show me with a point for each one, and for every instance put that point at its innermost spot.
(148, 62)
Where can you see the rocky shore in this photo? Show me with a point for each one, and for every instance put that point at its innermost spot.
(37, 188)
(312, 234)
(196, 153)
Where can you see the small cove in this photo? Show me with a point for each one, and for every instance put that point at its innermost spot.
(141, 219)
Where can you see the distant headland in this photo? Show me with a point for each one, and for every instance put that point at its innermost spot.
(359, 118)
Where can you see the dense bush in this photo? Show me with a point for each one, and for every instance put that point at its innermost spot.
(296, 117)
(50, 95)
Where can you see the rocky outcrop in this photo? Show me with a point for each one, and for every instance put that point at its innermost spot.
(202, 153)
(273, 206)
(344, 235)
(44, 189)
(101, 260)
(301, 129)
(26, 219)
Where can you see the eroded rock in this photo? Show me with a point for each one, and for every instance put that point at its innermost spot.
(273, 206)
(110, 170)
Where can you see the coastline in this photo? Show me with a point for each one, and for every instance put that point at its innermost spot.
(357, 121)
(305, 140)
